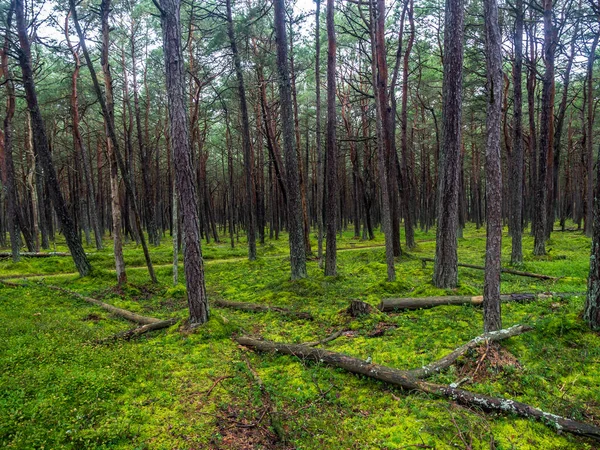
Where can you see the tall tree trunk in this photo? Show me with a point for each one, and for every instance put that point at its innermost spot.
(445, 274)
(407, 175)
(332, 156)
(113, 137)
(546, 131)
(117, 229)
(379, 70)
(319, 149)
(179, 135)
(492, 319)
(42, 148)
(516, 185)
(294, 206)
(246, 143)
(589, 142)
(8, 170)
(80, 146)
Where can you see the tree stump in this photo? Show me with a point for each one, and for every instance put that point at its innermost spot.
(359, 308)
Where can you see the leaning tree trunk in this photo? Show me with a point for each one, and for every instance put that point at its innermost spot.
(332, 163)
(546, 131)
(112, 134)
(492, 320)
(42, 147)
(79, 145)
(294, 206)
(246, 143)
(516, 166)
(179, 135)
(446, 255)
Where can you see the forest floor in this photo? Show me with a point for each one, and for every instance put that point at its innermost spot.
(174, 389)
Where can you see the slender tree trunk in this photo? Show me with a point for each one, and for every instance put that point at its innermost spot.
(516, 185)
(113, 137)
(589, 142)
(294, 206)
(42, 147)
(546, 131)
(319, 149)
(179, 135)
(332, 156)
(117, 228)
(246, 142)
(493, 169)
(8, 171)
(80, 146)
(445, 273)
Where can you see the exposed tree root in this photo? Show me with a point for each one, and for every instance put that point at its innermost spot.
(255, 307)
(395, 304)
(503, 270)
(409, 380)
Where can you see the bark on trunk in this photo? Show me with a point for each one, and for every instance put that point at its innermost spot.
(179, 135)
(42, 148)
(516, 168)
(246, 143)
(331, 210)
(405, 381)
(294, 206)
(445, 273)
(398, 304)
(492, 319)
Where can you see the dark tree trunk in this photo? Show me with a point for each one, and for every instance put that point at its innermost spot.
(589, 138)
(294, 204)
(516, 186)
(319, 149)
(80, 147)
(445, 273)
(42, 148)
(110, 125)
(546, 131)
(331, 210)
(492, 319)
(179, 136)
(8, 171)
(246, 143)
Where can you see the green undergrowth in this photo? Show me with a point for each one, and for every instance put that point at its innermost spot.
(61, 388)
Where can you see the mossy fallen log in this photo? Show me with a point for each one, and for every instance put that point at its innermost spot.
(397, 304)
(503, 270)
(137, 332)
(405, 381)
(35, 254)
(131, 316)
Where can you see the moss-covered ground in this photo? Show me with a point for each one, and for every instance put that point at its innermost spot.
(60, 388)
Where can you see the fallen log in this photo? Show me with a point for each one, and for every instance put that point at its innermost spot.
(424, 261)
(136, 332)
(396, 304)
(131, 316)
(255, 307)
(34, 254)
(403, 380)
(449, 359)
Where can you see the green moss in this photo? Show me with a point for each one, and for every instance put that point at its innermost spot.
(59, 389)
